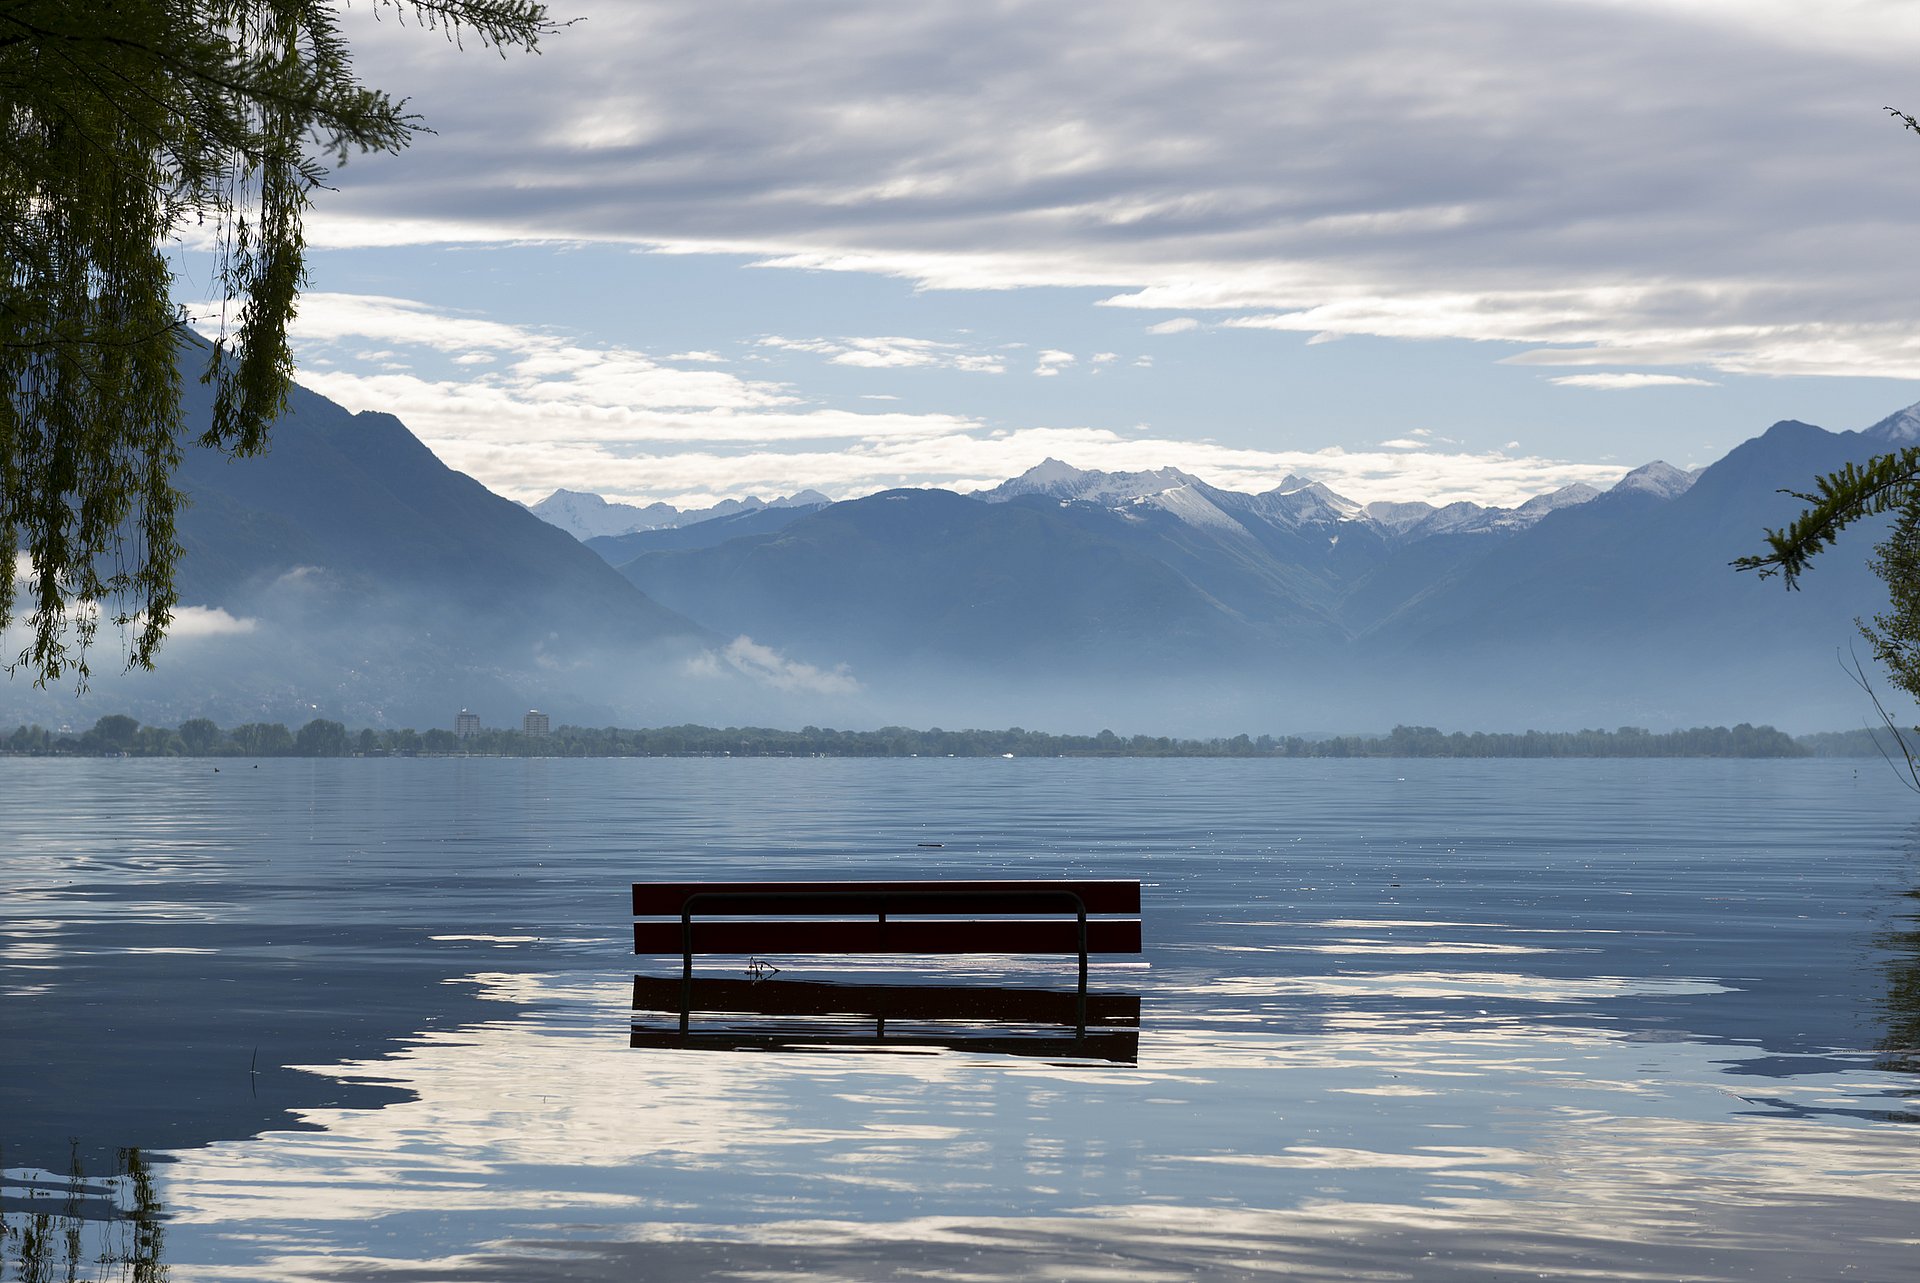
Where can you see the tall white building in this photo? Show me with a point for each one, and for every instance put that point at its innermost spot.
(534, 723)
(466, 724)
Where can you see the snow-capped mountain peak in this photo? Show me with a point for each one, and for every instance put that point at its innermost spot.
(1298, 503)
(1658, 478)
(1303, 503)
(1063, 481)
(1399, 517)
(1049, 472)
(1565, 497)
(585, 515)
(1899, 428)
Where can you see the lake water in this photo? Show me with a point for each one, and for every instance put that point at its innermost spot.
(369, 1020)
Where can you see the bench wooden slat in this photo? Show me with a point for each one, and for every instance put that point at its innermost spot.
(1121, 1046)
(1101, 896)
(887, 1002)
(1059, 935)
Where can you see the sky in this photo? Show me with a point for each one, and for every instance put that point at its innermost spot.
(1441, 250)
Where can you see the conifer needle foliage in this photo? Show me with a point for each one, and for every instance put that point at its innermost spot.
(1885, 483)
(124, 125)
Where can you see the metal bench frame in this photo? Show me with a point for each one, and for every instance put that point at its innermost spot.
(1038, 896)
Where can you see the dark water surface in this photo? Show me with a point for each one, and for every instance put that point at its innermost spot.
(1399, 1020)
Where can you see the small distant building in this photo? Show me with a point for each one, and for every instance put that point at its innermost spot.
(466, 725)
(534, 724)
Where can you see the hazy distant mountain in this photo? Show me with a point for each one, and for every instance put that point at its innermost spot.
(348, 573)
(359, 497)
(585, 515)
(911, 578)
(619, 549)
(1293, 504)
(1294, 571)
(1578, 604)
(1629, 602)
(588, 516)
(1660, 479)
(1061, 573)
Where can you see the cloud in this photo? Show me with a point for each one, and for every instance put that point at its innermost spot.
(554, 413)
(188, 621)
(1622, 381)
(334, 318)
(208, 621)
(709, 358)
(1178, 325)
(893, 353)
(189, 624)
(769, 667)
(1051, 361)
(551, 411)
(1411, 168)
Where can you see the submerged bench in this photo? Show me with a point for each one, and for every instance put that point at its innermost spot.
(885, 917)
(1108, 1024)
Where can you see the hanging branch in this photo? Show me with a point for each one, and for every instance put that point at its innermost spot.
(120, 126)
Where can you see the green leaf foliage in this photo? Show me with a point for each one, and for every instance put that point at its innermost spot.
(123, 127)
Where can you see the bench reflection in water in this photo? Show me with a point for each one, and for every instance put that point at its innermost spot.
(800, 1015)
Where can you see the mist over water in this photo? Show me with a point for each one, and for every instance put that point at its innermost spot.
(347, 661)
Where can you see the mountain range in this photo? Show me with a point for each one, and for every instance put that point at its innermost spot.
(350, 574)
(587, 516)
(1066, 588)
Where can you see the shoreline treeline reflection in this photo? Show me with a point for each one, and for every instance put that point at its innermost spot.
(1900, 1049)
(80, 1228)
(119, 735)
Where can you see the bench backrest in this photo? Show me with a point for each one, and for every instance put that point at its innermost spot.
(781, 911)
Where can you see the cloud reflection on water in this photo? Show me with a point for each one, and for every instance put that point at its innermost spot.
(1455, 984)
(1574, 1146)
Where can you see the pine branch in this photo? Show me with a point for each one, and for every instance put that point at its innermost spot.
(1837, 500)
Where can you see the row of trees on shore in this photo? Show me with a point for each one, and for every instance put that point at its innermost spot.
(121, 735)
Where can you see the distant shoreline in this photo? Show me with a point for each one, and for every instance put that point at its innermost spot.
(119, 736)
